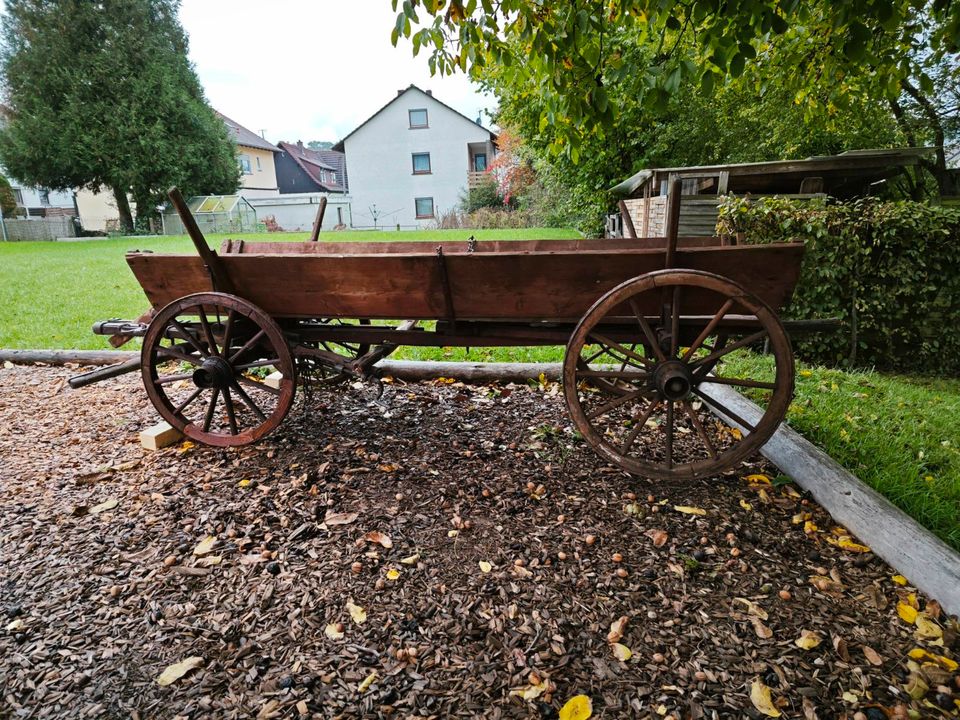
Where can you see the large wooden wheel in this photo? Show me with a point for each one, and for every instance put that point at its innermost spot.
(200, 360)
(640, 365)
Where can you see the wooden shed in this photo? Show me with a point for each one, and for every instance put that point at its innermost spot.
(850, 174)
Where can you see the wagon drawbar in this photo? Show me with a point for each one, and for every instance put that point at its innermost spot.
(648, 325)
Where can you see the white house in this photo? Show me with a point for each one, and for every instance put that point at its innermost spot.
(412, 160)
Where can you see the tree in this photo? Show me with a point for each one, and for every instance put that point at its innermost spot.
(320, 144)
(573, 52)
(8, 202)
(102, 95)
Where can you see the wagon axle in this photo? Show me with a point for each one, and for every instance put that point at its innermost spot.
(673, 380)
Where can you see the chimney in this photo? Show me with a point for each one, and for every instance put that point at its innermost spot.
(430, 93)
(479, 120)
(300, 146)
(400, 92)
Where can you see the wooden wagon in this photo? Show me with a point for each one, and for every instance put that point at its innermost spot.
(649, 326)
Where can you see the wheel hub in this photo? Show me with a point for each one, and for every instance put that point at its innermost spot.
(215, 372)
(673, 379)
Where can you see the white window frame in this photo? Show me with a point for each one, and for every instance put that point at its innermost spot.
(416, 208)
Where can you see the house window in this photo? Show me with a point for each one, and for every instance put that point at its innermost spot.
(258, 164)
(418, 118)
(424, 207)
(480, 162)
(245, 165)
(44, 197)
(421, 163)
(18, 196)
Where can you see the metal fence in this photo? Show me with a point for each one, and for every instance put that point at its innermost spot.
(39, 229)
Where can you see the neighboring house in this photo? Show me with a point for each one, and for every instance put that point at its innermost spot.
(257, 161)
(302, 170)
(412, 160)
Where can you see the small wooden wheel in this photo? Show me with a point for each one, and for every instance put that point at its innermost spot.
(640, 364)
(313, 370)
(200, 360)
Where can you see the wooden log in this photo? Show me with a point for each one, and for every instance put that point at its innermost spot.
(318, 220)
(627, 221)
(415, 370)
(60, 357)
(914, 551)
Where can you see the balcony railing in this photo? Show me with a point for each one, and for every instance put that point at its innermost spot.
(475, 178)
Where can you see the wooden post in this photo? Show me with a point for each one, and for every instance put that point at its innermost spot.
(218, 274)
(646, 210)
(318, 220)
(673, 220)
(627, 221)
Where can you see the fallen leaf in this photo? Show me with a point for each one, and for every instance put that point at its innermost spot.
(333, 631)
(915, 686)
(927, 629)
(745, 505)
(752, 608)
(808, 640)
(621, 652)
(339, 518)
(15, 625)
(379, 538)
(760, 696)
(944, 662)
(105, 505)
(617, 628)
(358, 614)
(688, 510)
(485, 567)
(850, 697)
(847, 543)
(872, 656)
(578, 707)
(411, 560)
(533, 690)
(810, 527)
(899, 579)
(245, 483)
(205, 546)
(367, 682)
(907, 613)
(659, 537)
(178, 670)
(758, 479)
(800, 517)
(762, 630)
(393, 574)
(840, 646)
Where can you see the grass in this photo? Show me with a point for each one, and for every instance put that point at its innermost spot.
(51, 293)
(896, 433)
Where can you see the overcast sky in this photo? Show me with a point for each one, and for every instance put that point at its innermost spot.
(309, 69)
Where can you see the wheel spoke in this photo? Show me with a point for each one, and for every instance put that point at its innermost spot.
(725, 410)
(739, 383)
(258, 385)
(618, 374)
(231, 415)
(207, 333)
(176, 354)
(717, 354)
(249, 344)
(208, 418)
(248, 401)
(228, 332)
(258, 363)
(182, 406)
(711, 326)
(623, 399)
(638, 427)
(166, 379)
(669, 431)
(675, 323)
(647, 331)
(188, 336)
(692, 414)
(603, 339)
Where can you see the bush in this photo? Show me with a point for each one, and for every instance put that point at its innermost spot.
(8, 203)
(483, 195)
(889, 270)
(486, 218)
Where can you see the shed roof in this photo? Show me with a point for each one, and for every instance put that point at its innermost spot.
(247, 138)
(839, 172)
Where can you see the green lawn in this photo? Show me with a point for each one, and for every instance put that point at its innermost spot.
(51, 293)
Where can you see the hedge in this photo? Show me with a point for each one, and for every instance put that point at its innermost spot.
(889, 270)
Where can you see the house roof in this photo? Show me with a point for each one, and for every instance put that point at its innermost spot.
(314, 161)
(244, 137)
(340, 145)
(849, 169)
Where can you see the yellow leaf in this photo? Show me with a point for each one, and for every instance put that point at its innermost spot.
(334, 631)
(764, 496)
(205, 546)
(850, 697)
(752, 608)
(533, 690)
(810, 527)
(745, 505)
(916, 688)
(178, 670)
(847, 543)
(106, 505)
(907, 613)
(15, 625)
(760, 696)
(485, 567)
(758, 479)
(246, 482)
(801, 517)
(578, 707)
(808, 640)
(412, 560)
(899, 579)
(791, 491)
(358, 614)
(367, 682)
(185, 446)
(805, 373)
(393, 574)
(945, 662)
(687, 510)
(927, 628)
(737, 435)
(621, 652)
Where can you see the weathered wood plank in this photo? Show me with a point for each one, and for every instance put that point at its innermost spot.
(914, 551)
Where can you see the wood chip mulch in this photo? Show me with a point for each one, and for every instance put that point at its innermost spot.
(478, 560)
